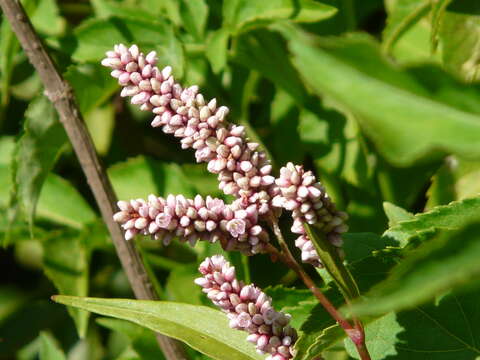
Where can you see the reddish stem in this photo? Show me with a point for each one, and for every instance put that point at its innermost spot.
(355, 333)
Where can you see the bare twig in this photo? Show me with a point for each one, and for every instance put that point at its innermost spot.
(356, 332)
(61, 95)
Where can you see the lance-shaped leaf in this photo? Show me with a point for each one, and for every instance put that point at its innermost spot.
(36, 152)
(49, 349)
(406, 121)
(203, 328)
(332, 262)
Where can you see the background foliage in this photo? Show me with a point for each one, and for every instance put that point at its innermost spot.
(380, 98)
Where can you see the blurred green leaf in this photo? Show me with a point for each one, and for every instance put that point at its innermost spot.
(200, 327)
(9, 47)
(402, 15)
(396, 214)
(265, 52)
(100, 123)
(436, 16)
(11, 299)
(36, 152)
(49, 349)
(142, 340)
(217, 49)
(181, 287)
(457, 179)
(242, 15)
(447, 217)
(460, 37)
(194, 14)
(381, 338)
(65, 262)
(61, 203)
(405, 123)
(92, 85)
(96, 36)
(46, 18)
(448, 261)
(158, 178)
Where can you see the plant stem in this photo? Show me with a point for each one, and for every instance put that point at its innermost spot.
(61, 95)
(355, 333)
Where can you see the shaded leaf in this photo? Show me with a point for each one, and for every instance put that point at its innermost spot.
(448, 261)
(49, 349)
(158, 178)
(65, 262)
(61, 203)
(36, 152)
(200, 327)
(381, 337)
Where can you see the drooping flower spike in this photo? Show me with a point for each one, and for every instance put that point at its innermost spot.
(307, 199)
(248, 308)
(193, 219)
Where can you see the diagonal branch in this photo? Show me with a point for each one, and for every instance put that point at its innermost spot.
(61, 95)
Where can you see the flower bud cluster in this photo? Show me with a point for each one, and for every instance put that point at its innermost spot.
(248, 309)
(191, 220)
(242, 170)
(309, 203)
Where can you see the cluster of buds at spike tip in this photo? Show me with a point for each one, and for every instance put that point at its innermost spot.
(242, 170)
(307, 199)
(248, 309)
(191, 220)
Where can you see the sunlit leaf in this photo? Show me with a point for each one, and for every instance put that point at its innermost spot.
(200, 327)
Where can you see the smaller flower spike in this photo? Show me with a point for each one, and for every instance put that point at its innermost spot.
(248, 309)
(191, 220)
(306, 198)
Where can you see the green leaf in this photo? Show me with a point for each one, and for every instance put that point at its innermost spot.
(217, 49)
(36, 152)
(395, 213)
(11, 299)
(92, 85)
(96, 36)
(194, 14)
(448, 261)
(265, 52)
(441, 330)
(332, 262)
(407, 122)
(49, 349)
(380, 338)
(242, 15)
(402, 15)
(203, 328)
(181, 287)
(65, 262)
(47, 20)
(436, 16)
(61, 203)
(158, 178)
(142, 340)
(447, 217)
(455, 180)
(460, 37)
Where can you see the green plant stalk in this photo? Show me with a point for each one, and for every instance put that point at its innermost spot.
(354, 332)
